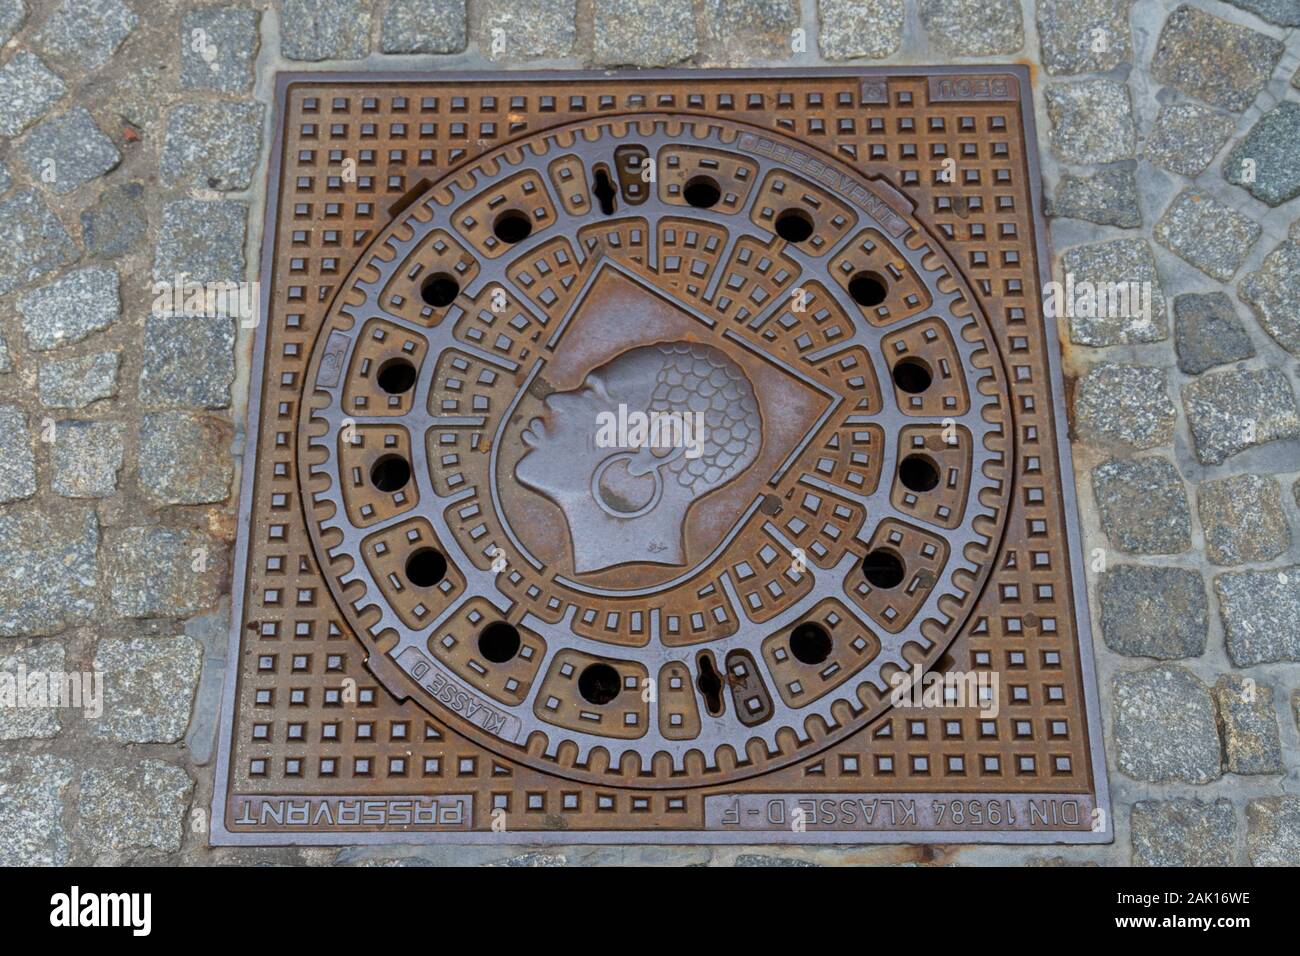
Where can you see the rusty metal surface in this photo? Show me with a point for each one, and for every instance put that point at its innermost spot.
(463, 617)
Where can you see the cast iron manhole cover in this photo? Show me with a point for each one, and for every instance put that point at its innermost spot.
(658, 457)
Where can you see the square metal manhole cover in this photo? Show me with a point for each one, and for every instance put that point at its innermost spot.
(658, 457)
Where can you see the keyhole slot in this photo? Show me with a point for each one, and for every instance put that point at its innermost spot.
(710, 684)
(604, 190)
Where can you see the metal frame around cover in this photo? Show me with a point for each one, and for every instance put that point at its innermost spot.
(219, 835)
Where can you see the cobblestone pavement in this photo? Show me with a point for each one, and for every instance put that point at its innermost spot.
(133, 143)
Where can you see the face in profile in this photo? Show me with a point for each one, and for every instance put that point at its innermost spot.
(626, 454)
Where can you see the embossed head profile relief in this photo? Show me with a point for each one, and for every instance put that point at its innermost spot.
(626, 454)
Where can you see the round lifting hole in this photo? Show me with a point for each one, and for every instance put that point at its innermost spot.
(810, 643)
(426, 567)
(918, 473)
(499, 642)
(794, 225)
(396, 376)
(512, 226)
(912, 375)
(390, 473)
(702, 192)
(867, 289)
(440, 289)
(883, 569)
(599, 684)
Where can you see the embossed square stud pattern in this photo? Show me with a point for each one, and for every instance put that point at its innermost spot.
(663, 457)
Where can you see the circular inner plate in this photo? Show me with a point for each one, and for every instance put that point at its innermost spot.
(654, 450)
